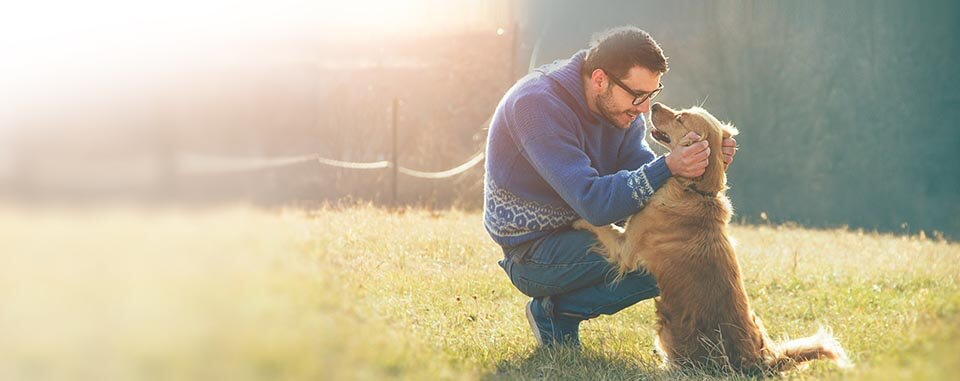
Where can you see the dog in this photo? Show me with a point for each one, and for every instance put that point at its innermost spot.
(680, 237)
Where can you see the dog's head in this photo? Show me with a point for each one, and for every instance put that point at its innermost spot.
(670, 128)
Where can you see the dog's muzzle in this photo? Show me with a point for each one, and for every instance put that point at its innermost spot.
(660, 136)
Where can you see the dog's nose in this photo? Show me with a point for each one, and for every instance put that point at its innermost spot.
(656, 106)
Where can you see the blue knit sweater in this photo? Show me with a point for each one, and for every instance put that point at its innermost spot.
(550, 160)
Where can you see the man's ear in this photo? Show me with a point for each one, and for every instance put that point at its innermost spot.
(597, 78)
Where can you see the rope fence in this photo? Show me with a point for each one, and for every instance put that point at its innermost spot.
(207, 164)
(444, 174)
(351, 165)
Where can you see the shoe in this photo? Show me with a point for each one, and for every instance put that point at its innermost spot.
(549, 331)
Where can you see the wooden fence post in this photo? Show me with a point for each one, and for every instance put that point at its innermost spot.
(396, 154)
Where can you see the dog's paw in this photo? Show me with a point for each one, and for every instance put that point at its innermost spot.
(582, 224)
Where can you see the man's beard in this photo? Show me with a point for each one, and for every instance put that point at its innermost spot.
(605, 104)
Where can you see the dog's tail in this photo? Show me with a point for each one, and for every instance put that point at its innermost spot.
(822, 345)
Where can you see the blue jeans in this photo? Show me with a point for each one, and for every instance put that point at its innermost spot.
(571, 279)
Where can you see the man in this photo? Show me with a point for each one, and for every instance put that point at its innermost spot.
(566, 142)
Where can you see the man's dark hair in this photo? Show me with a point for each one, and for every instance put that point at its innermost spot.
(619, 49)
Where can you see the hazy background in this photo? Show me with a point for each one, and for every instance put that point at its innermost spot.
(848, 110)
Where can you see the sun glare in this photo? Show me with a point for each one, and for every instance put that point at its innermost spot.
(43, 32)
(54, 28)
(50, 47)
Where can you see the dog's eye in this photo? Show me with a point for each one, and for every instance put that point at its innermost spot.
(679, 120)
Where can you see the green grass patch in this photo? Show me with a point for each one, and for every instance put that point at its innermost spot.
(365, 293)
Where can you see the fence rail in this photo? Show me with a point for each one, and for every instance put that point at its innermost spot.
(209, 164)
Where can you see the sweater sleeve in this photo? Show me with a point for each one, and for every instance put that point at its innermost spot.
(546, 134)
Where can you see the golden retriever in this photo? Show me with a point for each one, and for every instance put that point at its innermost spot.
(680, 236)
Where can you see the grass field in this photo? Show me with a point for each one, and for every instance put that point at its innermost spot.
(237, 293)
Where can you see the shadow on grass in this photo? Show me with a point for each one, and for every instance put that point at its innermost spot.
(567, 363)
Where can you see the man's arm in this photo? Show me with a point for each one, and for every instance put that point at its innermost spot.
(545, 132)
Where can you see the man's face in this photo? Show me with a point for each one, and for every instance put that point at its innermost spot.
(616, 104)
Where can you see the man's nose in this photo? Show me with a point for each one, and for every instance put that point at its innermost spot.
(644, 107)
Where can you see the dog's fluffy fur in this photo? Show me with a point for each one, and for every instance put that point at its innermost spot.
(680, 236)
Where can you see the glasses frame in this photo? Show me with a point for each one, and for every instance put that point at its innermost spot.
(638, 98)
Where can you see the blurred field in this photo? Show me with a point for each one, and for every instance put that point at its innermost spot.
(265, 100)
(358, 292)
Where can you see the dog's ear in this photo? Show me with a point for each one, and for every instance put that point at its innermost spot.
(714, 179)
(729, 130)
(686, 142)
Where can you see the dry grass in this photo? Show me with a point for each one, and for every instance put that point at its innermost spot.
(363, 293)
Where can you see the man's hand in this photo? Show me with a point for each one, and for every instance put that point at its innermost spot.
(690, 161)
(729, 148)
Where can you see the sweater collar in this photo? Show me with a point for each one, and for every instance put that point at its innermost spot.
(567, 75)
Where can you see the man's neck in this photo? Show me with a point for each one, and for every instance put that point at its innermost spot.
(589, 95)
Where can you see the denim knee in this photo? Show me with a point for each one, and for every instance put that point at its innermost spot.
(528, 287)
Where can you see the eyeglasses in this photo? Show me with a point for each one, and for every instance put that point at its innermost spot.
(638, 98)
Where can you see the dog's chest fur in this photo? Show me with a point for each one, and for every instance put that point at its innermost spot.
(682, 237)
